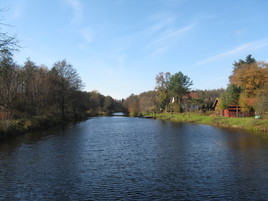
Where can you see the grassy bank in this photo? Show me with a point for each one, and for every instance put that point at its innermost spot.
(248, 123)
(14, 127)
(11, 128)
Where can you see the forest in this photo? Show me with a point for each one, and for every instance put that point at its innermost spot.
(31, 94)
(37, 91)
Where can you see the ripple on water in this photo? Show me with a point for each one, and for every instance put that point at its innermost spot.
(119, 158)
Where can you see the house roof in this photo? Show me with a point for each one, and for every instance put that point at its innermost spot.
(215, 103)
(191, 95)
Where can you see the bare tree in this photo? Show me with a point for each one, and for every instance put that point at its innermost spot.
(8, 83)
(8, 44)
(68, 82)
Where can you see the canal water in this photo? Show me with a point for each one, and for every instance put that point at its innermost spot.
(120, 158)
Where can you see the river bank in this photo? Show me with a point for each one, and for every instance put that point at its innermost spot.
(248, 123)
(12, 128)
(15, 127)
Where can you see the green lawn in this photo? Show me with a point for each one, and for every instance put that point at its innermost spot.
(249, 123)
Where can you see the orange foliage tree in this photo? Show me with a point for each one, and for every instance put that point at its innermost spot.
(251, 77)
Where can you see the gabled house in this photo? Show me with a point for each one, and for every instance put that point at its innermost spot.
(234, 110)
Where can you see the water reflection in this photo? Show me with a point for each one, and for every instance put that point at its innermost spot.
(119, 114)
(111, 158)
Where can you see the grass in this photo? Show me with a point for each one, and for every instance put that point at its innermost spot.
(249, 123)
(10, 128)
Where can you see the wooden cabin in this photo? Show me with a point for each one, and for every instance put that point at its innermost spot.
(234, 110)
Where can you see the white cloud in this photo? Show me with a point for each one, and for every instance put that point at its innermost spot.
(243, 48)
(77, 10)
(163, 28)
(88, 35)
(174, 33)
(162, 22)
(159, 51)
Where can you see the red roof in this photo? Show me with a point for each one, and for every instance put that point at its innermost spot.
(193, 94)
(250, 101)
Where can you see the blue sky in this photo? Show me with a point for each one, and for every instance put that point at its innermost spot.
(119, 46)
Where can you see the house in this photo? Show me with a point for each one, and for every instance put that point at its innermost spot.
(216, 105)
(186, 103)
(189, 101)
(234, 110)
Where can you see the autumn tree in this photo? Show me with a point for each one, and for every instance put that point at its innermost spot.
(96, 102)
(246, 103)
(162, 82)
(148, 101)
(250, 75)
(261, 102)
(132, 105)
(108, 104)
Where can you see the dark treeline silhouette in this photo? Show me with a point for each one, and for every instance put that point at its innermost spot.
(32, 90)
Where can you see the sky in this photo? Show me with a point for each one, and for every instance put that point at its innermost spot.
(119, 46)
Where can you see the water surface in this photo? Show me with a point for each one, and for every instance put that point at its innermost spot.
(120, 158)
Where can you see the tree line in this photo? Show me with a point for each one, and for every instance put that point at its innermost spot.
(247, 88)
(32, 90)
(171, 94)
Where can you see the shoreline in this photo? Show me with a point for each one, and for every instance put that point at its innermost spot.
(13, 128)
(16, 127)
(247, 123)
